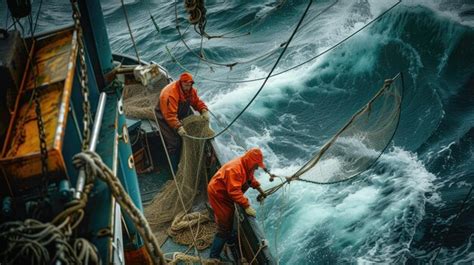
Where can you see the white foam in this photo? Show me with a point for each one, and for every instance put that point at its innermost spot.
(362, 216)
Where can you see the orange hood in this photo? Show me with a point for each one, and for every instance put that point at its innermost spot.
(253, 157)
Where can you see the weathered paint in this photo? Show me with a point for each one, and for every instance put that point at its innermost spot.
(21, 157)
(51, 60)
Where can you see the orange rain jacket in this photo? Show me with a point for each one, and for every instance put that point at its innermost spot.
(172, 96)
(229, 184)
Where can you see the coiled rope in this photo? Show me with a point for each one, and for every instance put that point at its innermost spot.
(230, 65)
(30, 241)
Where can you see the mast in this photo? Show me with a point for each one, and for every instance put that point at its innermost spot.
(113, 145)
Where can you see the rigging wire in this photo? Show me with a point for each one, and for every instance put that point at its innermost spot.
(130, 30)
(257, 18)
(159, 32)
(264, 82)
(466, 198)
(236, 81)
(37, 16)
(201, 57)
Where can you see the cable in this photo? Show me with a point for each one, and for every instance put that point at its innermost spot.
(454, 222)
(37, 16)
(235, 81)
(230, 65)
(130, 31)
(263, 84)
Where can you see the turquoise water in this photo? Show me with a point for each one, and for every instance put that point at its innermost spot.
(399, 211)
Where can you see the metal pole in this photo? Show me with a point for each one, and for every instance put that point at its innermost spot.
(81, 179)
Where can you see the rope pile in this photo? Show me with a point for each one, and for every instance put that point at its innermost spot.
(197, 13)
(34, 242)
(179, 258)
(205, 229)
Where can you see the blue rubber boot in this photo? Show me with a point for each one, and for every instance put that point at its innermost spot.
(217, 246)
(175, 161)
(232, 244)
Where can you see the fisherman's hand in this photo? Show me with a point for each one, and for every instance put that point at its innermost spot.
(272, 177)
(261, 197)
(182, 131)
(262, 194)
(251, 211)
(205, 114)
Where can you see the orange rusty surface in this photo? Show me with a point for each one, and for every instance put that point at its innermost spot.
(21, 156)
(20, 170)
(51, 58)
(49, 100)
(66, 97)
(138, 256)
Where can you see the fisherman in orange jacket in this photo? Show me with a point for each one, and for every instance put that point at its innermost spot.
(227, 187)
(175, 103)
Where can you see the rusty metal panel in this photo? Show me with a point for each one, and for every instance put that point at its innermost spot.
(21, 157)
(51, 60)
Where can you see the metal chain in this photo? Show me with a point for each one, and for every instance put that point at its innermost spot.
(43, 145)
(83, 78)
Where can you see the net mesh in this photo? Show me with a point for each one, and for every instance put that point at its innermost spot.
(360, 142)
(139, 101)
(191, 172)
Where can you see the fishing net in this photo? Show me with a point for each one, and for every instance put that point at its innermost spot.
(139, 101)
(190, 178)
(360, 142)
(191, 172)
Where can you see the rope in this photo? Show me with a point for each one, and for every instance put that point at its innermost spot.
(179, 258)
(94, 167)
(130, 31)
(197, 17)
(236, 214)
(37, 16)
(230, 65)
(466, 198)
(256, 254)
(235, 81)
(204, 234)
(263, 84)
(31, 241)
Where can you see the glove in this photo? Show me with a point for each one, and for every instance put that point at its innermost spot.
(181, 131)
(251, 211)
(261, 197)
(272, 177)
(205, 114)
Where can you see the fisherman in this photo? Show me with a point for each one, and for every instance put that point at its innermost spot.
(175, 103)
(227, 187)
